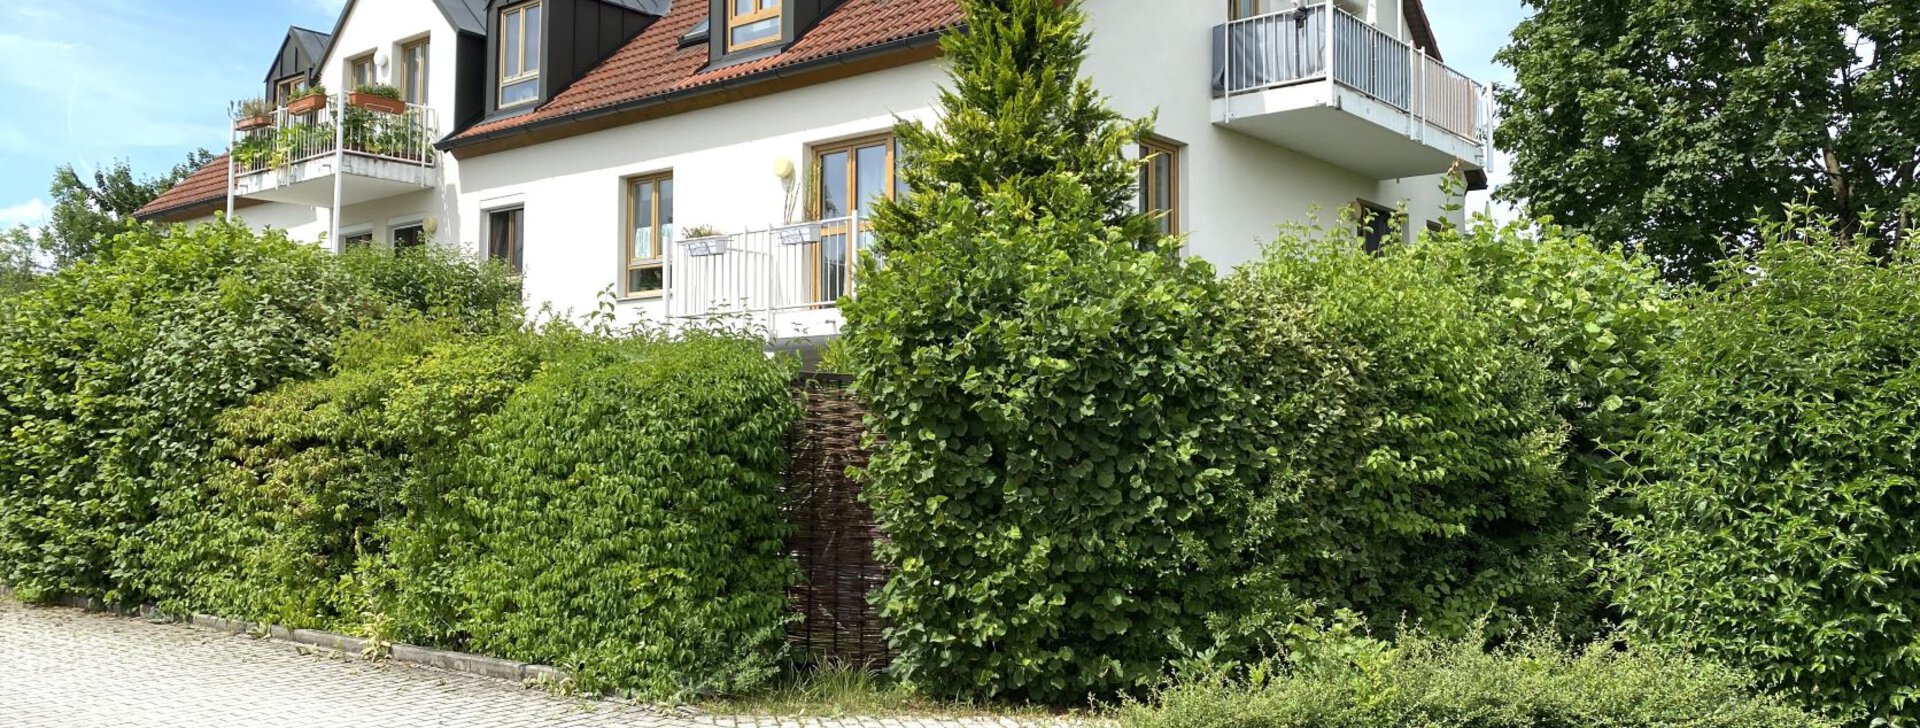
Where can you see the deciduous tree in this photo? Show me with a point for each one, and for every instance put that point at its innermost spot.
(1667, 124)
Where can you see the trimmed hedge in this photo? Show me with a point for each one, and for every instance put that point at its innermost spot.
(1781, 525)
(1338, 681)
(621, 516)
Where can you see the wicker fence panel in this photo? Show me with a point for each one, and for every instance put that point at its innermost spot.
(834, 532)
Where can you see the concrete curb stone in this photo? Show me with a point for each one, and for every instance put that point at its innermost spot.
(460, 662)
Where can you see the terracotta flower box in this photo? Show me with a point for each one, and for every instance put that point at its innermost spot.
(250, 123)
(381, 104)
(306, 105)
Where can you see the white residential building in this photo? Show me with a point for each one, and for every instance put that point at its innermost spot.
(698, 157)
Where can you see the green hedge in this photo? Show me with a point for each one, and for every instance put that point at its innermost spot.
(621, 516)
(1781, 524)
(1337, 681)
(312, 482)
(1408, 455)
(113, 372)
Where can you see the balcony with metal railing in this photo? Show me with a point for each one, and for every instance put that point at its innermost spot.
(335, 151)
(786, 278)
(1386, 109)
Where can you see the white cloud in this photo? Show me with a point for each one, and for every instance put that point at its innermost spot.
(31, 212)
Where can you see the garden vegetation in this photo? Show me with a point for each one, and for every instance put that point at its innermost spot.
(1331, 488)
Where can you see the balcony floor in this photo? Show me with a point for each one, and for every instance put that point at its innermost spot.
(1348, 129)
(310, 183)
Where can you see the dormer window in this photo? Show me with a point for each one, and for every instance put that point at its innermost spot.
(752, 23)
(520, 54)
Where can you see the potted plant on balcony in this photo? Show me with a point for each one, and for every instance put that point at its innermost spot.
(308, 100)
(704, 240)
(252, 153)
(252, 114)
(378, 97)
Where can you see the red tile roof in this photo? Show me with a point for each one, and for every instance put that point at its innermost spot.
(203, 188)
(653, 64)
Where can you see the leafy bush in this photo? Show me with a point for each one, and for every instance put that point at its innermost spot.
(113, 372)
(1406, 456)
(314, 480)
(1781, 526)
(1337, 681)
(621, 516)
(1598, 318)
(1038, 368)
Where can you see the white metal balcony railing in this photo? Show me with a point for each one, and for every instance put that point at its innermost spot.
(291, 139)
(785, 268)
(1290, 47)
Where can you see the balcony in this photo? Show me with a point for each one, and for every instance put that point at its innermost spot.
(788, 278)
(1387, 110)
(338, 154)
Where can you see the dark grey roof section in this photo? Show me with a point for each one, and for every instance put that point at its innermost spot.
(313, 42)
(467, 16)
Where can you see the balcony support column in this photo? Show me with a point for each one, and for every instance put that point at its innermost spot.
(339, 170)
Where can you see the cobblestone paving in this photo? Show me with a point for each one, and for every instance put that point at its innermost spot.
(63, 668)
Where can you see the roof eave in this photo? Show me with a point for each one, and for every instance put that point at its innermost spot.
(922, 40)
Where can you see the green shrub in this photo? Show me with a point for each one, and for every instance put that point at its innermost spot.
(621, 516)
(114, 371)
(1781, 525)
(1406, 455)
(311, 482)
(1598, 318)
(1337, 681)
(440, 281)
(1038, 367)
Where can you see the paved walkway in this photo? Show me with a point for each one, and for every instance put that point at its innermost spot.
(63, 668)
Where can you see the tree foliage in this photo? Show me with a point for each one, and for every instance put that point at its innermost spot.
(87, 214)
(1041, 382)
(1780, 530)
(1666, 125)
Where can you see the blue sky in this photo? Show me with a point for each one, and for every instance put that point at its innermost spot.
(90, 81)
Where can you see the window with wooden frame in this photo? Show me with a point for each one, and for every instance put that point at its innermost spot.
(1375, 224)
(506, 236)
(360, 72)
(852, 177)
(413, 72)
(284, 89)
(643, 257)
(355, 241)
(752, 23)
(519, 54)
(1160, 184)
